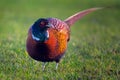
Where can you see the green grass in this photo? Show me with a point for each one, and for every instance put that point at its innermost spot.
(93, 52)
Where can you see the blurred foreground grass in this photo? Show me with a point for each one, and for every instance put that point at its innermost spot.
(93, 52)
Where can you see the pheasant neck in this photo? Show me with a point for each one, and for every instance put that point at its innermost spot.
(40, 36)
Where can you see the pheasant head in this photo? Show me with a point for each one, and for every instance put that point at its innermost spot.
(40, 30)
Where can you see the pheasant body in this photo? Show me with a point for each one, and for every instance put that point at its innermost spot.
(48, 37)
(53, 48)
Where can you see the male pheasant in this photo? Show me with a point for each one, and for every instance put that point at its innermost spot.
(48, 37)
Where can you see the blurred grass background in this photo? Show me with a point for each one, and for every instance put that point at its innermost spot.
(93, 52)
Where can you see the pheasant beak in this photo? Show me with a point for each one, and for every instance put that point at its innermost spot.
(49, 25)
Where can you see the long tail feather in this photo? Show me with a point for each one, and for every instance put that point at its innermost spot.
(72, 19)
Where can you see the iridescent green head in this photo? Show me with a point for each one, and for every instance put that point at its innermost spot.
(40, 30)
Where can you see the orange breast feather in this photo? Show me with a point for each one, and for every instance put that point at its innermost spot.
(57, 42)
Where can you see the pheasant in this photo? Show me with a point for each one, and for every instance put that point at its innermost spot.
(48, 37)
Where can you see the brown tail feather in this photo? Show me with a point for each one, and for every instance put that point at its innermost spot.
(72, 19)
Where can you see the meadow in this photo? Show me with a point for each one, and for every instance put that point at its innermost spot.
(93, 51)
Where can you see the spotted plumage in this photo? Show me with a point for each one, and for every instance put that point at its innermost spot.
(48, 37)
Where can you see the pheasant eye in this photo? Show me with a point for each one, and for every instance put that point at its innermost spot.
(42, 23)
